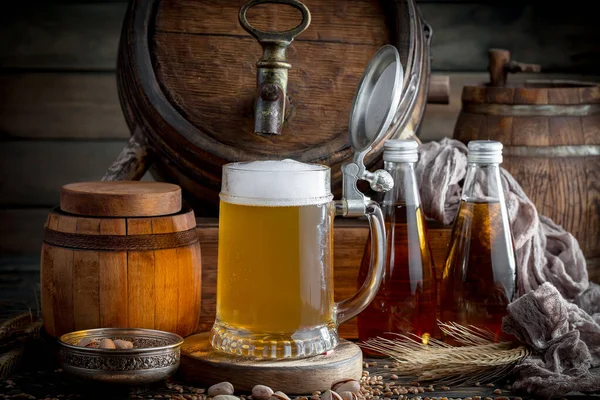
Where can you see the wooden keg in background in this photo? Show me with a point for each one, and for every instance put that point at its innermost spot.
(551, 136)
(187, 83)
(121, 254)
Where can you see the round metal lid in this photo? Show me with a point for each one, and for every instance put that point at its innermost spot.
(377, 98)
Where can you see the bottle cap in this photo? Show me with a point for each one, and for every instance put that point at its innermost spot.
(484, 151)
(398, 150)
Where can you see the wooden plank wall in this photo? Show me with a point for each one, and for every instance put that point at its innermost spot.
(60, 118)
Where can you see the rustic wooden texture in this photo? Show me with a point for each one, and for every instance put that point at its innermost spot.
(500, 65)
(86, 272)
(329, 20)
(563, 188)
(167, 281)
(498, 60)
(593, 268)
(141, 276)
(85, 36)
(439, 89)
(350, 237)
(156, 289)
(222, 104)
(52, 383)
(201, 365)
(57, 105)
(113, 286)
(203, 104)
(121, 199)
(439, 120)
(86, 106)
(348, 33)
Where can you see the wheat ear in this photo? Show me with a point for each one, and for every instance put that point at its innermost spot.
(477, 359)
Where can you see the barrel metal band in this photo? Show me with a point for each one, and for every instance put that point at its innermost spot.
(155, 241)
(533, 110)
(552, 151)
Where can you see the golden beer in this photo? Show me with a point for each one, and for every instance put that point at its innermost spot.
(274, 276)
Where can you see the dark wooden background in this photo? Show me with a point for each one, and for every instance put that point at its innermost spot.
(60, 118)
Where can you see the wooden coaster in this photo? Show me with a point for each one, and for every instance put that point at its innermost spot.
(201, 364)
(121, 199)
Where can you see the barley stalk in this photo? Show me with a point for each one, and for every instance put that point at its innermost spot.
(477, 359)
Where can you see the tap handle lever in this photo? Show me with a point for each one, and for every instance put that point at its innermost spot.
(272, 68)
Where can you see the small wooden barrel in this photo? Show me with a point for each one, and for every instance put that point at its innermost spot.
(551, 134)
(123, 255)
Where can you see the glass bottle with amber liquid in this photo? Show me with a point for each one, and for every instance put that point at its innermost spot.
(479, 278)
(406, 300)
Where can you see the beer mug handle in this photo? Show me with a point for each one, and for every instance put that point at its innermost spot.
(349, 308)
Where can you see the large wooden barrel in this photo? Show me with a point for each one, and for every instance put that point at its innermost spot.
(551, 134)
(121, 255)
(187, 83)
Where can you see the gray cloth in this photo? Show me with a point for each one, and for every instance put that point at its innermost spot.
(545, 251)
(566, 341)
(557, 311)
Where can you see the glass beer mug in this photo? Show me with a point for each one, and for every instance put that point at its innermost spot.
(275, 279)
(275, 294)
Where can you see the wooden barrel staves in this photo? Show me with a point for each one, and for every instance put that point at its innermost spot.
(551, 134)
(187, 76)
(121, 255)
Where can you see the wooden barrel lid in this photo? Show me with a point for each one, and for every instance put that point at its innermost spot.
(121, 199)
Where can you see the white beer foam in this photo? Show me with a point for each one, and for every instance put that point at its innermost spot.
(276, 183)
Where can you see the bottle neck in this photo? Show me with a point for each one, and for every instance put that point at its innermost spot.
(482, 183)
(405, 189)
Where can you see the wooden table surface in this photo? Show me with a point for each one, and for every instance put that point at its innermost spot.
(55, 384)
(19, 288)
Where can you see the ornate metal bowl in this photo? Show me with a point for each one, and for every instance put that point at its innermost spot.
(155, 356)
